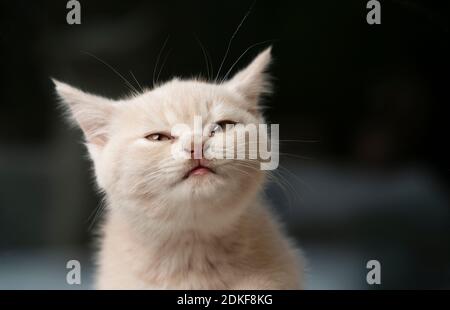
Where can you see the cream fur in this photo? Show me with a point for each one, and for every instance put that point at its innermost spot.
(163, 231)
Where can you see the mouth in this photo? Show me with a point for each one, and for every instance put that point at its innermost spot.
(198, 170)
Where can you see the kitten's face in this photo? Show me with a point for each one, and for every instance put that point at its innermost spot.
(139, 156)
(131, 142)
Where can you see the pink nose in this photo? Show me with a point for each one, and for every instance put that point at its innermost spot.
(195, 150)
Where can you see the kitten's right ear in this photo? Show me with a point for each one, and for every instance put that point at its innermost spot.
(92, 113)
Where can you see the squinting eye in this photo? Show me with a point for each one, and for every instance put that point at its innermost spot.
(221, 126)
(158, 137)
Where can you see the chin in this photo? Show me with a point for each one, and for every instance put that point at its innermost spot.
(203, 188)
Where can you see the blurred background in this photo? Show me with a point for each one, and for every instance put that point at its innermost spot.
(362, 111)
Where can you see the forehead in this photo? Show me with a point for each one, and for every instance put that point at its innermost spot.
(180, 101)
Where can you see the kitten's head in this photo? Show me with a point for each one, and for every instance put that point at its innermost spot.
(131, 141)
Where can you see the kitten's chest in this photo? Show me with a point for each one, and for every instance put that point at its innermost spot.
(194, 264)
(173, 261)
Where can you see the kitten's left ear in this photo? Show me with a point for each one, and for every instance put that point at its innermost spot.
(253, 81)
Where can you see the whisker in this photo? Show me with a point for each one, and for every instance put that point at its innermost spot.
(309, 188)
(232, 37)
(114, 70)
(205, 55)
(158, 58)
(163, 63)
(96, 214)
(284, 185)
(137, 82)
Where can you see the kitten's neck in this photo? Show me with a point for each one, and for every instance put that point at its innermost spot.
(165, 249)
(159, 218)
(148, 232)
(162, 255)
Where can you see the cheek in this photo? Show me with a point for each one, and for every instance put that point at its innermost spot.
(239, 173)
(214, 147)
(141, 168)
(234, 145)
(143, 151)
(106, 165)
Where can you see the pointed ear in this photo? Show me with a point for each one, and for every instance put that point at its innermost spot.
(92, 113)
(253, 81)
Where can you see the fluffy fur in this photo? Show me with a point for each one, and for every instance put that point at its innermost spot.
(163, 230)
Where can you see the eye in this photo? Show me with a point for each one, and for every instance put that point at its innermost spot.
(158, 137)
(221, 126)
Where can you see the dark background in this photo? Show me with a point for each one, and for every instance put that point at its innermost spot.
(367, 176)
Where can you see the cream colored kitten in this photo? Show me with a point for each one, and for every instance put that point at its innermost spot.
(183, 223)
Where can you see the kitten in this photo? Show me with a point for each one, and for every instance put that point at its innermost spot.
(183, 223)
